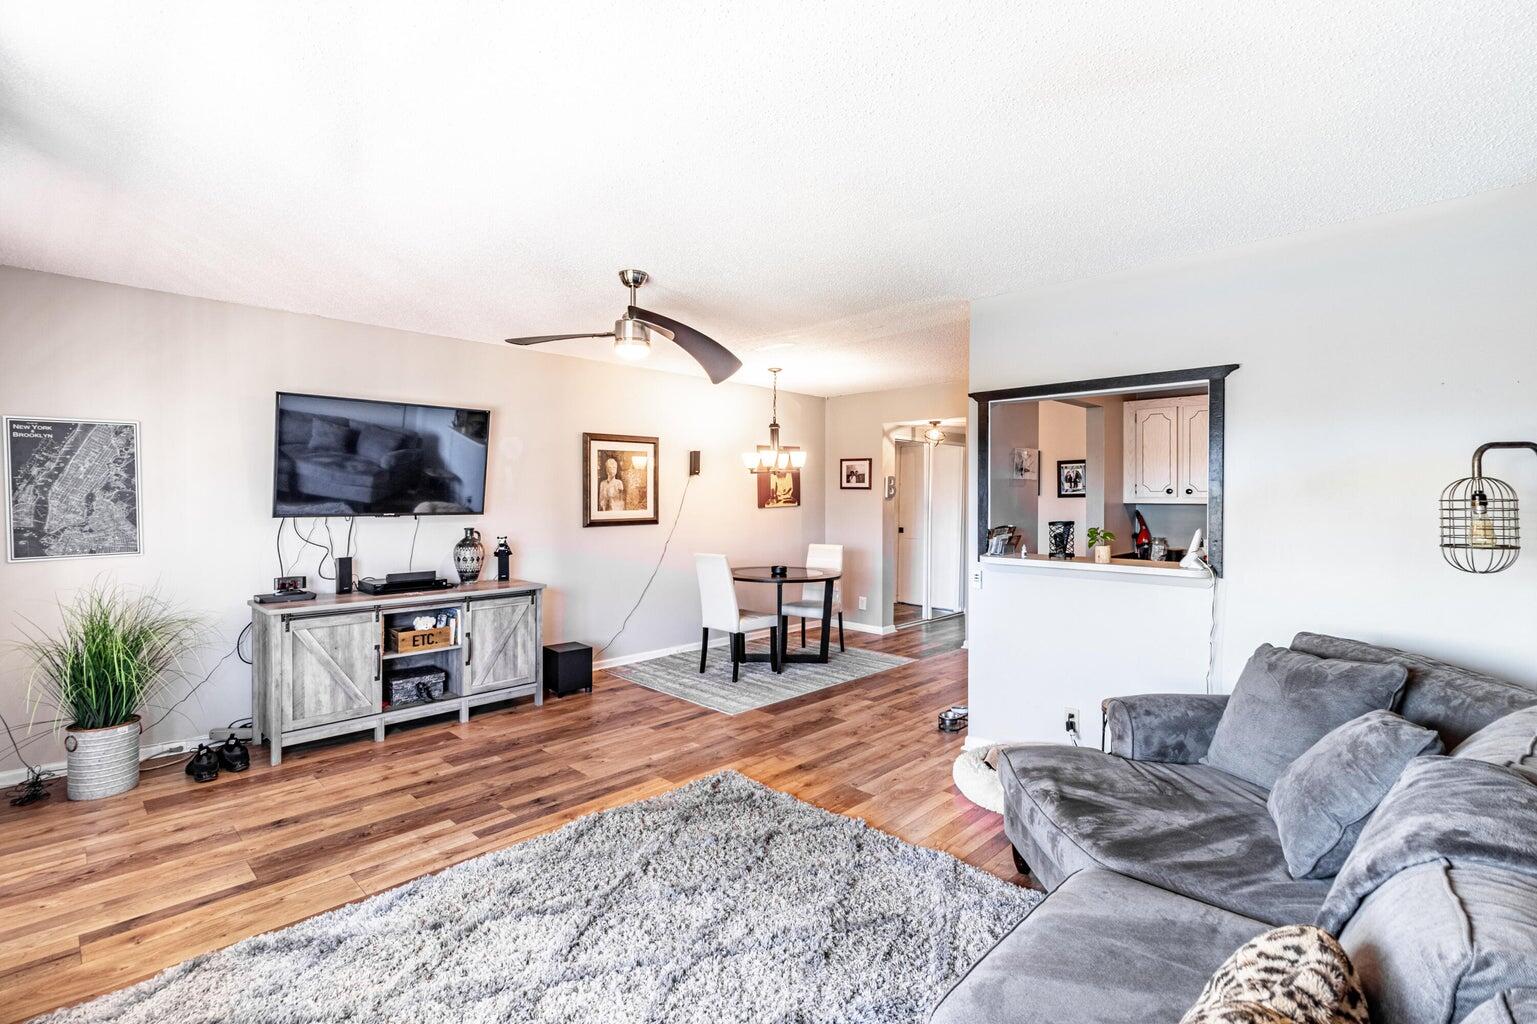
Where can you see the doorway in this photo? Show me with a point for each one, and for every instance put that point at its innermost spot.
(930, 523)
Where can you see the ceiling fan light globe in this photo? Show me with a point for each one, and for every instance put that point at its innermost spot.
(631, 340)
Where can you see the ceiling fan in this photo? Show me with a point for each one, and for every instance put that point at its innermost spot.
(632, 335)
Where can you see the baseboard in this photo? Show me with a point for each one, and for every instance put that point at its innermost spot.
(14, 775)
(865, 627)
(662, 652)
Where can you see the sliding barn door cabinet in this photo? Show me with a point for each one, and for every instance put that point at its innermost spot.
(330, 666)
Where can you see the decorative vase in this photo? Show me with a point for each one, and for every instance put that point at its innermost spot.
(102, 762)
(1102, 554)
(469, 556)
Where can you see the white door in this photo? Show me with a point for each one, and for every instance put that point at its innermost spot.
(1154, 428)
(947, 526)
(1194, 430)
(912, 522)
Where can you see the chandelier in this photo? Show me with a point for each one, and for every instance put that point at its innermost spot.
(774, 457)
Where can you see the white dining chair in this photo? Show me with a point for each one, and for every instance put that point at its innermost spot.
(818, 556)
(719, 610)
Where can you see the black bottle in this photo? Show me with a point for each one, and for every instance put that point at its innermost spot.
(503, 560)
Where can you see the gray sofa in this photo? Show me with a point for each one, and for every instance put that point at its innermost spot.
(345, 460)
(1158, 866)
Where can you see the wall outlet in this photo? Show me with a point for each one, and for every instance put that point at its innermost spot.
(1070, 720)
(976, 579)
(864, 603)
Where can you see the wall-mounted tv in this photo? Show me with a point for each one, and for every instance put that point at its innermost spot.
(358, 457)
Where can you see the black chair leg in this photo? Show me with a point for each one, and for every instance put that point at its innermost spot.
(803, 631)
(840, 633)
(704, 649)
(738, 646)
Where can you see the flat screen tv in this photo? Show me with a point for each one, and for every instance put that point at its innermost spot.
(358, 457)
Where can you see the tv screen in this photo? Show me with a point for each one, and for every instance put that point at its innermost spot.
(357, 457)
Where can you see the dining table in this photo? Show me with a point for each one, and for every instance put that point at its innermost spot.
(791, 574)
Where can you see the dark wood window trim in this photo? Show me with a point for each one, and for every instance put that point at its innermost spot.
(1214, 377)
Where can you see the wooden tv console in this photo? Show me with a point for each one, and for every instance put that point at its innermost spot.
(318, 667)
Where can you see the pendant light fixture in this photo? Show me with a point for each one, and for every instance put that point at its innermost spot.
(774, 457)
(1481, 519)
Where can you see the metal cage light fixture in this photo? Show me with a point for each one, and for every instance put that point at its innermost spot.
(774, 457)
(1481, 517)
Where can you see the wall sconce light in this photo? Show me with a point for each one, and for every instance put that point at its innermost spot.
(1481, 518)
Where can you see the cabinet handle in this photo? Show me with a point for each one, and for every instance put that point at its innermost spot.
(378, 662)
(1170, 490)
(1189, 490)
(468, 651)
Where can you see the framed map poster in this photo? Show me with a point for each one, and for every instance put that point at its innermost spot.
(71, 488)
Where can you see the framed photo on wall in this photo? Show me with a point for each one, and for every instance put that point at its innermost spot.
(71, 488)
(619, 480)
(779, 488)
(1025, 464)
(1072, 478)
(854, 474)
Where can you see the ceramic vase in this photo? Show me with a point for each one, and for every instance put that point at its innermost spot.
(469, 556)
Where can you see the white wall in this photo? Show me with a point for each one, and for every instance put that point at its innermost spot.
(856, 428)
(1375, 357)
(200, 375)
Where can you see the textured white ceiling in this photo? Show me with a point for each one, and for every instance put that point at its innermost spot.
(818, 185)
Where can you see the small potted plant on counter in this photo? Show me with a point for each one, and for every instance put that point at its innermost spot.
(1100, 541)
(112, 654)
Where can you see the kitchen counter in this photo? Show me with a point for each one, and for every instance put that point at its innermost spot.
(1125, 566)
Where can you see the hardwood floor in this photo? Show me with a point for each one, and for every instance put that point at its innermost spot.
(96, 896)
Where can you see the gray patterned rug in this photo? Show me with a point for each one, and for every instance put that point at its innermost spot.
(719, 902)
(678, 675)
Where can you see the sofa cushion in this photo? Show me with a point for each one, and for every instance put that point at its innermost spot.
(1510, 741)
(1297, 974)
(1456, 702)
(1518, 1006)
(374, 443)
(1186, 828)
(1052, 968)
(1285, 701)
(1321, 802)
(330, 436)
(1435, 942)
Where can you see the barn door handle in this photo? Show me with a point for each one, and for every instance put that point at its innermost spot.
(378, 662)
(468, 650)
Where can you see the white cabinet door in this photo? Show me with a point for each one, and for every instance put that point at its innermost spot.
(1194, 434)
(331, 669)
(1153, 428)
(502, 643)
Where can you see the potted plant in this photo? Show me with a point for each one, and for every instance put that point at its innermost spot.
(112, 654)
(1100, 541)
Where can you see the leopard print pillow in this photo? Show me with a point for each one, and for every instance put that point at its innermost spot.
(1292, 975)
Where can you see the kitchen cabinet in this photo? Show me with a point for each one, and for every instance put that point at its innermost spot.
(1166, 451)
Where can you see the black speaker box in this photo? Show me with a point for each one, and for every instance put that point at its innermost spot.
(344, 575)
(567, 668)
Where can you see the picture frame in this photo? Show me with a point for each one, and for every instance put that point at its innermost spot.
(856, 474)
(99, 516)
(1072, 478)
(779, 488)
(620, 480)
(1025, 464)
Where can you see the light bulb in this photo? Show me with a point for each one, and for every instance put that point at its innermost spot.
(934, 433)
(631, 340)
(1480, 528)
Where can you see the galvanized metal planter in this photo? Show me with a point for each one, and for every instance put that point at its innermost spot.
(103, 762)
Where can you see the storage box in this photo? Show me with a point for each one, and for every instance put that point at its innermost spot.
(409, 641)
(417, 684)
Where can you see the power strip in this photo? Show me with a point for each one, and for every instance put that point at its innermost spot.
(244, 734)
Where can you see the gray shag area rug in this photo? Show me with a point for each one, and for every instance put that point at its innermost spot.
(719, 902)
(678, 675)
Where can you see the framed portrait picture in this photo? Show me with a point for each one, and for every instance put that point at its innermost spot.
(71, 487)
(854, 474)
(1026, 464)
(779, 488)
(619, 480)
(1072, 478)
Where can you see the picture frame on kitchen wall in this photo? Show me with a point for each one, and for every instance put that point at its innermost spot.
(1072, 478)
(855, 474)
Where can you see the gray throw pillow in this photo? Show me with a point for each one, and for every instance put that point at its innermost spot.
(1510, 741)
(1517, 1006)
(1321, 802)
(1285, 701)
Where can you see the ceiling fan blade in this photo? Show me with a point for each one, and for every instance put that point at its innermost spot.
(542, 338)
(717, 360)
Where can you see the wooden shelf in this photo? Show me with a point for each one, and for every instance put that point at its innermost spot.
(391, 656)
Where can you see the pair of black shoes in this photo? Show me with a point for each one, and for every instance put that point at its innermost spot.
(231, 756)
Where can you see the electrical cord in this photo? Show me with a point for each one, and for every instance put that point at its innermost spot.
(326, 550)
(33, 788)
(411, 561)
(240, 640)
(677, 518)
